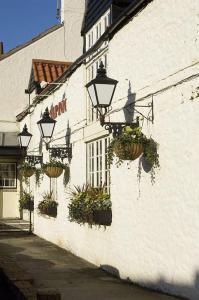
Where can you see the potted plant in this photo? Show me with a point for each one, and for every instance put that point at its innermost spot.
(53, 168)
(26, 201)
(90, 205)
(26, 169)
(131, 144)
(48, 206)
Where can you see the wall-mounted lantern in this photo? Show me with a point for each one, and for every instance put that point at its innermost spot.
(24, 141)
(46, 126)
(24, 137)
(101, 91)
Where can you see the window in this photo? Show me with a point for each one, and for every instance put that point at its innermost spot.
(98, 168)
(8, 175)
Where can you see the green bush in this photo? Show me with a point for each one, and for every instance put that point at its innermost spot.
(26, 201)
(48, 206)
(84, 201)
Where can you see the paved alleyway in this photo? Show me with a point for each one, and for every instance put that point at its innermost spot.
(76, 279)
(8, 225)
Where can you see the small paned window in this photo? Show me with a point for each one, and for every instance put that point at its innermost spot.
(98, 168)
(8, 175)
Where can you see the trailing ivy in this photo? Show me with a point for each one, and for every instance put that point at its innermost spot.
(119, 148)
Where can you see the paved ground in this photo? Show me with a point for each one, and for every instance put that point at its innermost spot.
(76, 279)
(7, 225)
(5, 292)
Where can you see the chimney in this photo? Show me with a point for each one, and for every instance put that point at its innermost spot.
(1, 48)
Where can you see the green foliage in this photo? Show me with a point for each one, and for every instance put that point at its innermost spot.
(134, 136)
(38, 176)
(84, 201)
(128, 137)
(66, 176)
(26, 201)
(48, 206)
(54, 163)
(24, 169)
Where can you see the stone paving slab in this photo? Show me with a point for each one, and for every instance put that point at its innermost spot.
(7, 225)
(54, 268)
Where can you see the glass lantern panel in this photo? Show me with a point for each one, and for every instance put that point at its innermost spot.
(104, 92)
(92, 94)
(47, 129)
(24, 140)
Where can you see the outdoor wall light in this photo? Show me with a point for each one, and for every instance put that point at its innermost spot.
(101, 91)
(46, 126)
(24, 138)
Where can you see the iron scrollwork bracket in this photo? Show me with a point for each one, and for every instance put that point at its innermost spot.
(61, 152)
(116, 128)
(34, 159)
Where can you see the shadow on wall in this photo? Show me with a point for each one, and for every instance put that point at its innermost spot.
(179, 290)
(129, 107)
(1, 203)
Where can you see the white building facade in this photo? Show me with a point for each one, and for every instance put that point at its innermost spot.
(53, 44)
(153, 238)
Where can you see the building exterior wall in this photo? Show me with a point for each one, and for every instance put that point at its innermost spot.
(15, 73)
(153, 239)
(72, 14)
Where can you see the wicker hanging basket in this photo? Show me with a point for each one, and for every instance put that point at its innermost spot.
(53, 172)
(129, 151)
(27, 172)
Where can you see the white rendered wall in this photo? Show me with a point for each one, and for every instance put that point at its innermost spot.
(153, 239)
(15, 74)
(72, 13)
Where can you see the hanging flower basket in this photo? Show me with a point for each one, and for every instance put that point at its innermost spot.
(128, 151)
(27, 172)
(53, 168)
(53, 172)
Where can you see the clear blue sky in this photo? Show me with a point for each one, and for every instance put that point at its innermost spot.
(21, 20)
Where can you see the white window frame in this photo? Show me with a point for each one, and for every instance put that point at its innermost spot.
(4, 180)
(98, 29)
(98, 167)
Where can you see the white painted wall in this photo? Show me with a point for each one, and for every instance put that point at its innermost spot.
(72, 13)
(15, 74)
(153, 239)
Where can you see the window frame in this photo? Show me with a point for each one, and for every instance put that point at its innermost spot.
(97, 166)
(15, 179)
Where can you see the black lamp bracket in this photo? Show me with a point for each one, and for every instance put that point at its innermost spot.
(150, 116)
(61, 152)
(34, 159)
(116, 128)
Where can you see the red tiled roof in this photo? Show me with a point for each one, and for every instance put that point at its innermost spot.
(48, 70)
